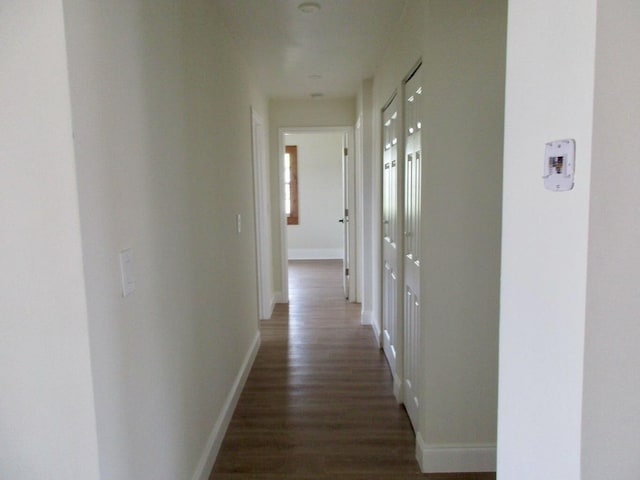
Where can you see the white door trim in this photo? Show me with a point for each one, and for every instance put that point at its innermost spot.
(261, 188)
(359, 196)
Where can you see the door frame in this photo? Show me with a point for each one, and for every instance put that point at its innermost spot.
(353, 226)
(262, 202)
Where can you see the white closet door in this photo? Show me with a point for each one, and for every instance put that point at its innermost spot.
(412, 198)
(391, 243)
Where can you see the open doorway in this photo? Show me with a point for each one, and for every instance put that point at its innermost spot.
(317, 190)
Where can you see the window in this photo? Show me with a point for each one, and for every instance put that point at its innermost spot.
(291, 184)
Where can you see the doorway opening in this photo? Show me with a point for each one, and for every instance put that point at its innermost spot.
(318, 200)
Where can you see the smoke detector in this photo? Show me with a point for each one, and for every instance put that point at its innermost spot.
(309, 7)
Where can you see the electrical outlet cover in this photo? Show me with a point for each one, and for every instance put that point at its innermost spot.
(559, 165)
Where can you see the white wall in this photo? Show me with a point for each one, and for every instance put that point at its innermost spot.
(339, 112)
(47, 418)
(318, 233)
(611, 401)
(462, 45)
(544, 241)
(161, 115)
(464, 65)
(369, 251)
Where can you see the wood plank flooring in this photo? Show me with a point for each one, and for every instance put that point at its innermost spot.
(318, 403)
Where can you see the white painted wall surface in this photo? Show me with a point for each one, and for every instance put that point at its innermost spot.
(464, 66)
(318, 233)
(611, 408)
(544, 241)
(47, 419)
(161, 114)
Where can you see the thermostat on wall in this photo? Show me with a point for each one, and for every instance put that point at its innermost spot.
(559, 165)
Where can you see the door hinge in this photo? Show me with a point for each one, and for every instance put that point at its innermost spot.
(346, 151)
(346, 272)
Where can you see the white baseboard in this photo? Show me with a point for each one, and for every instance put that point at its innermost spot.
(268, 311)
(278, 297)
(366, 318)
(272, 304)
(315, 253)
(208, 458)
(455, 458)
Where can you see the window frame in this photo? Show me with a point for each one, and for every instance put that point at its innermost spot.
(293, 218)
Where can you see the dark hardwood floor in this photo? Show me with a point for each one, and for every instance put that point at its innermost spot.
(318, 403)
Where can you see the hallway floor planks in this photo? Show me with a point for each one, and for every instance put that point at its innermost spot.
(318, 403)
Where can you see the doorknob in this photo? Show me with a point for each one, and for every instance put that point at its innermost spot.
(341, 220)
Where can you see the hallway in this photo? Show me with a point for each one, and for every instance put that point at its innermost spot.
(318, 403)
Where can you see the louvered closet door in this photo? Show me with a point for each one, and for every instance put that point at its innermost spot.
(391, 243)
(412, 196)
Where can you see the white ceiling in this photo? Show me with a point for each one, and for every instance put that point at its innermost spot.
(341, 42)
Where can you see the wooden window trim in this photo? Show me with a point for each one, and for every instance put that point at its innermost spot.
(293, 218)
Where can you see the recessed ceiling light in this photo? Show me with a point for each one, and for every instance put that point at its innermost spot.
(317, 95)
(309, 7)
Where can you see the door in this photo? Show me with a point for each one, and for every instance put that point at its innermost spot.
(391, 260)
(412, 211)
(345, 219)
(348, 220)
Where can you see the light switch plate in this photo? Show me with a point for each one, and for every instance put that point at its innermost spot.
(127, 272)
